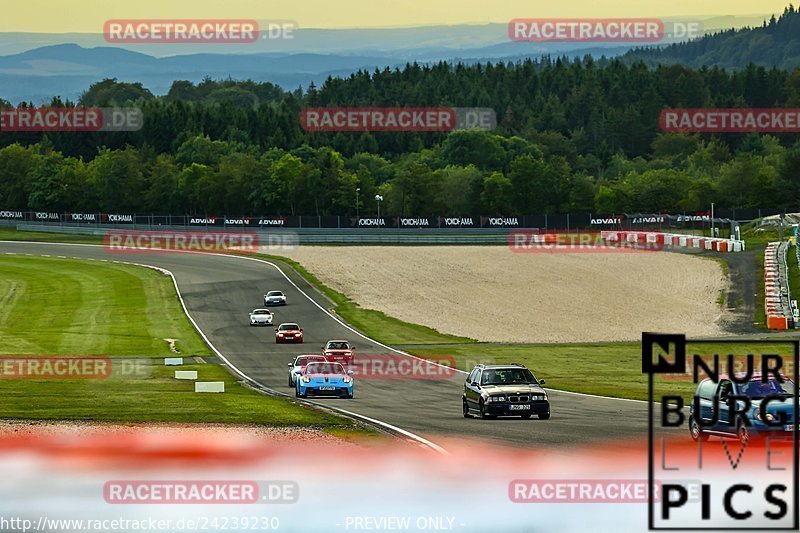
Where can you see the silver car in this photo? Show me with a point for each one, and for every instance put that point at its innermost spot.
(299, 364)
(274, 298)
(261, 317)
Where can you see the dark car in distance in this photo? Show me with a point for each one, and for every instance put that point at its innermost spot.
(504, 390)
(769, 409)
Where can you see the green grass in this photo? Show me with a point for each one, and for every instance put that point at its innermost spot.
(722, 297)
(12, 234)
(64, 306)
(603, 369)
(67, 307)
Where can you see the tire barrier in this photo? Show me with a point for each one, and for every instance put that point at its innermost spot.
(777, 300)
(655, 239)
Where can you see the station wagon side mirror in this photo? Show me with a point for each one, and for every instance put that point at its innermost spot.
(276, 329)
(542, 382)
(475, 384)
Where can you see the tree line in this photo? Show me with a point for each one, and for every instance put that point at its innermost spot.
(577, 136)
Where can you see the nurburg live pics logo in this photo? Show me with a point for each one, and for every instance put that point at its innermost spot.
(750, 478)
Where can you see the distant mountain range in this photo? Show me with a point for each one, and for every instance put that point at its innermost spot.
(37, 67)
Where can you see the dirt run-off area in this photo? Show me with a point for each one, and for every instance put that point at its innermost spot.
(490, 294)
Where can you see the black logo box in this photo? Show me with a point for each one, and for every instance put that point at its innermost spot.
(678, 365)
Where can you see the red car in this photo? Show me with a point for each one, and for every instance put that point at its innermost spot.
(339, 351)
(288, 332)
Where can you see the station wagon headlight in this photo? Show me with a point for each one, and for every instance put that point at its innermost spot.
(496, 399)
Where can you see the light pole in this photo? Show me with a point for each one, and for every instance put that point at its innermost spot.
(358, 189)
(712, 219)
(379, 198)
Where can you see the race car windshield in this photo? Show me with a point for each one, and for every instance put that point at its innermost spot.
(755, 388)
(289, 327)
(324, 368)
(275, 293)
(338, 346)
(305, 360)
(261, 312)
(511, 376)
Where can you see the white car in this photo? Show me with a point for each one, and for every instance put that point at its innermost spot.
(299, 364)
(261, 317)
(274, 298)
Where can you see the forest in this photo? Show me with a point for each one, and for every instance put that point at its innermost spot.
(573, 135)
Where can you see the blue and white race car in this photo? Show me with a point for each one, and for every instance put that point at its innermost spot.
(324, 379)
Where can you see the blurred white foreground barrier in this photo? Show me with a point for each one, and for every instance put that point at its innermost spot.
(186, 374)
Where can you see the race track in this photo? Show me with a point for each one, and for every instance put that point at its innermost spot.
(219, 291)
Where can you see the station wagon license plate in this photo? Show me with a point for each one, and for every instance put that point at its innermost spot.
(327, 388)
(520, 407)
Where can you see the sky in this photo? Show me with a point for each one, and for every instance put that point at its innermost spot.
(88, 16)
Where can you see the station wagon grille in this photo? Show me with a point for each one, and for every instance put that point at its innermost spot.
(517, 399)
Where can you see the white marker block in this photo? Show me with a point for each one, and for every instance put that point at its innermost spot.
(186, 374)
(209, 386)
(173, 361)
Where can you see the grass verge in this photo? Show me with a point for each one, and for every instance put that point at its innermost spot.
(66, 307)
(603, 369)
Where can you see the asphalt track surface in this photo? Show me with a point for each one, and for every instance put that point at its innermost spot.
(219, 292)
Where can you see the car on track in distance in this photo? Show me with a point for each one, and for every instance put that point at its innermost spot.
(299, 364)
(288, 332)
(339, 351)
(261, 317)
(775, 397)
(325, 379)
(504, 390)
(274, 298)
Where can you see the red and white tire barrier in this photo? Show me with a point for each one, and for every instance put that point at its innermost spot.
(776, 304)
(675, 240)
